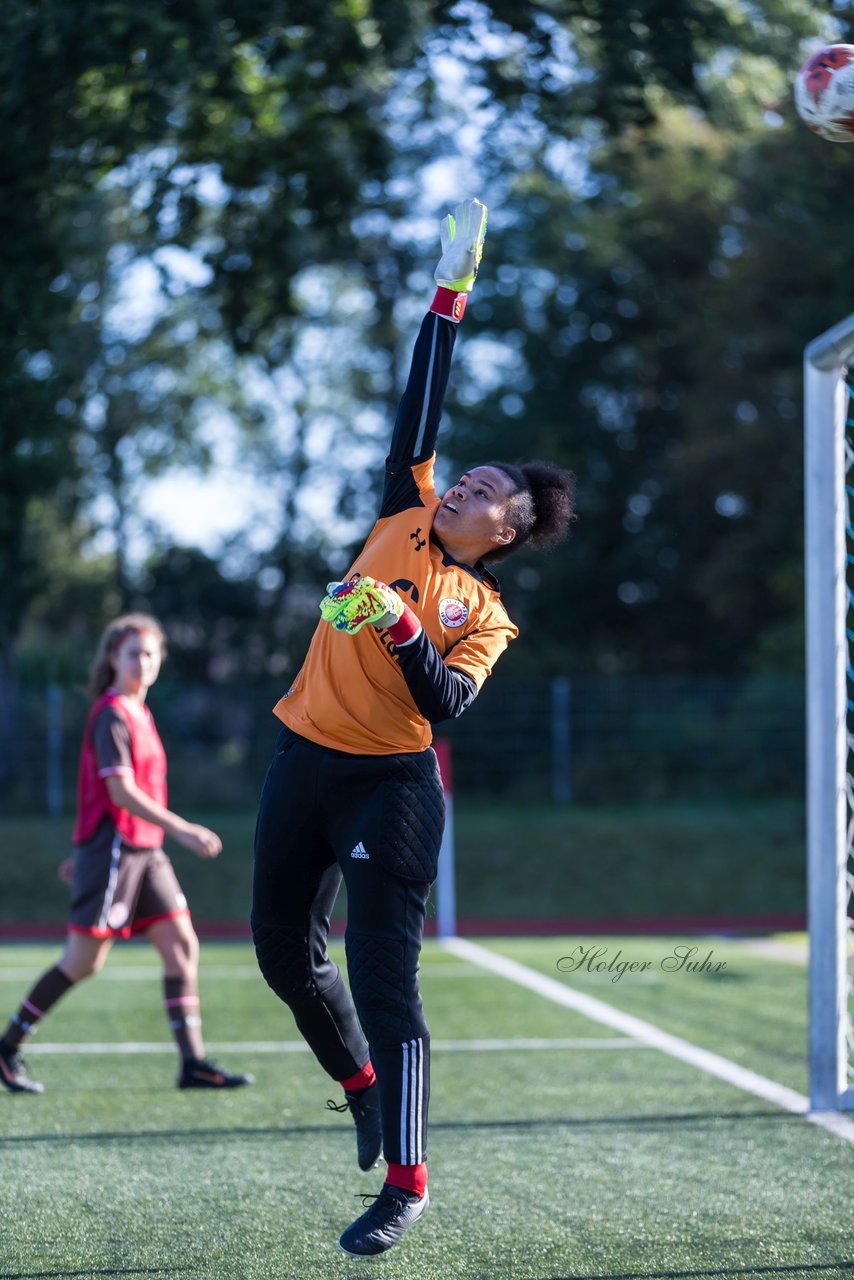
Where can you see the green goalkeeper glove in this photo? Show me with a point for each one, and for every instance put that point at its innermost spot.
(350, 605)
(462, 233)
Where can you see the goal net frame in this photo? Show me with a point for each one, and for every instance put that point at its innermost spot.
(829, 561)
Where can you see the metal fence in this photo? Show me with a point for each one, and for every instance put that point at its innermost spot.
(588, 739)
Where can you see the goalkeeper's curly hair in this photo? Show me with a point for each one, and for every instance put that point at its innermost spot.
(541, 509)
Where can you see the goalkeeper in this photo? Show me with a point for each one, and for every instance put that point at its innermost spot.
(405, 640)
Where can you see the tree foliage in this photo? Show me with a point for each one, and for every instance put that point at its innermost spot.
(646, 294)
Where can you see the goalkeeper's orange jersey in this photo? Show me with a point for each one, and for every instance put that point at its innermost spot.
(351, 694)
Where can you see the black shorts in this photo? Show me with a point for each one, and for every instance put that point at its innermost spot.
(117, 890)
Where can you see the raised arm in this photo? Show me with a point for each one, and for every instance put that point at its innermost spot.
(438, 690)
(413, 440)
(417, 423)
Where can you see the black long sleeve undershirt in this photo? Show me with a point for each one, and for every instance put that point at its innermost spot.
(438, 691)
(417, 424)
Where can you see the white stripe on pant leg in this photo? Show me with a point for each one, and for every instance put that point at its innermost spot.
(415, 1093)
(419, 1127)
(115, 856)
(404, 1104)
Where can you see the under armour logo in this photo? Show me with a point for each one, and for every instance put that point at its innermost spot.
(417, 539)
(403, 584)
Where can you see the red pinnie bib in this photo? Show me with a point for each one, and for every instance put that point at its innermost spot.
(149, 774)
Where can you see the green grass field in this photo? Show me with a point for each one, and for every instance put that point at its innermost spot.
(558, 1150)
(531, 861)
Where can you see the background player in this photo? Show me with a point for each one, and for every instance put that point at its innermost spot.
(354, 787)
(122, 883)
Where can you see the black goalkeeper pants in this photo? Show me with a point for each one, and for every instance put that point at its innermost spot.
(377, 822)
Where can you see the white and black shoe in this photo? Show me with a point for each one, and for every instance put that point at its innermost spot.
(384, 1223)
(13, 1073)
(365, 1110)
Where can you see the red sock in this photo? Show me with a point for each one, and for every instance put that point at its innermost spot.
(411, 1177)
(361, 1080)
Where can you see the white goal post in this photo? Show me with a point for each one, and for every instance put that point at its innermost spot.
(829, 502)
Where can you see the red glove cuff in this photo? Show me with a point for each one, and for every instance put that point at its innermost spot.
(449, 304)
(406, 628)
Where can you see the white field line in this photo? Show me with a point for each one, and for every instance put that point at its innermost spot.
(637, 1029)
(774, 949)
(299, 1046)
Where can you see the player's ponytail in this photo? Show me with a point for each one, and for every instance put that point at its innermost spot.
(102, 673)
(542, 507)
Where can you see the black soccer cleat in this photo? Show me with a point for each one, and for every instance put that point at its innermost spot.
(384, 1223)
(365, 1109)
(201, 1073)
(13, 1073)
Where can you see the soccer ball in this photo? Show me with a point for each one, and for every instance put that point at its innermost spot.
(824, 93)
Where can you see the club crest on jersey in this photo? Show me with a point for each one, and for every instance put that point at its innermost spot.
(452, 613)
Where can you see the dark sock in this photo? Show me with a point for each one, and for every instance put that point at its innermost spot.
(182, 1009)
(50, 987)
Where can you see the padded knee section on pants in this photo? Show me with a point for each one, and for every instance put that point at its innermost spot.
(305, 979)
(283, 958)
(384, 991)
(413, 817)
